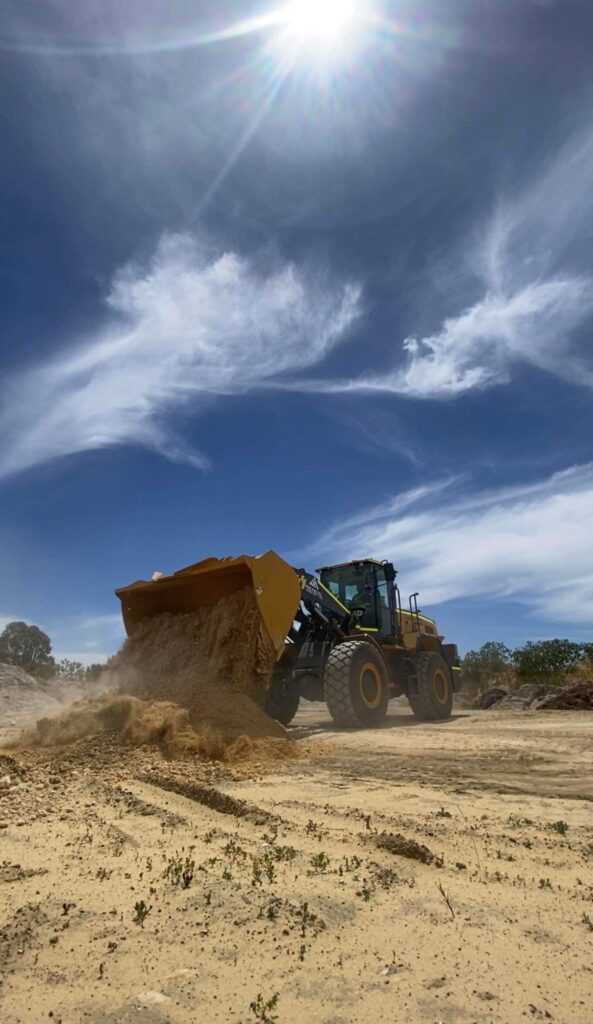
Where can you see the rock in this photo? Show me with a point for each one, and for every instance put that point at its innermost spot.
(489, 697)
(525, 696)
(5, 781)
(152, 998)
(575, 697)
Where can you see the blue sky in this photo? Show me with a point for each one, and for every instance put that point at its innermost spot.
(278, 277)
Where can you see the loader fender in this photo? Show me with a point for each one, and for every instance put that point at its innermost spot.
(451, 656)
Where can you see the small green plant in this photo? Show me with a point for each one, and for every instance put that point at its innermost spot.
(272, 909)
(180, 869)
(263, 1009)
(269, 869)
(559, 826)
(306, 917)
(102, 874)
(443, 813)
(256, 873)
(279, 853)
(320, 861)
(527, 844)
(504, 856)
(352, 863)
(234, 851)
(208, 898)
(386, 877)
(312, 828)
(209, 836)
(227, 875)
(587, 921)
(366, 892)
(302, 951)
(141, 912)
(545, 883)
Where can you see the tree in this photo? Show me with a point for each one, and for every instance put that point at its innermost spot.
(71, 670)
(28, 647)
(548, 657)
(92, 672)
(489, 666)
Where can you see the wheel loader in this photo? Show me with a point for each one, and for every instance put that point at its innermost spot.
(340, 636)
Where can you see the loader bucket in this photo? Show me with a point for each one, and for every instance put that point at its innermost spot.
(274, 583)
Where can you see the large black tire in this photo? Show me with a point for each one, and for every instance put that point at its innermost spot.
(282, 702)
(355, 684)
(432, 700)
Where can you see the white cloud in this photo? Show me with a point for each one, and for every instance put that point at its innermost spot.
(193, 325)
(531, 261)
(531, 543)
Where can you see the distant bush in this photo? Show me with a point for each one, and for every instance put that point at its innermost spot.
(92, 672)
(489, 666)
(553, 661)
(71, 670)
(75, 671)
(549, 659)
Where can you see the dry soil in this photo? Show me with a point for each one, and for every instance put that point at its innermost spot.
(419, 873)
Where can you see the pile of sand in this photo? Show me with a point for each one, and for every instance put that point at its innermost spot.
(189, 683)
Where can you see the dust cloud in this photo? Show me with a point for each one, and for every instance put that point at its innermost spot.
(191, 684)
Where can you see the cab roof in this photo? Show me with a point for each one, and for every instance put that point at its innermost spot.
(354, 561)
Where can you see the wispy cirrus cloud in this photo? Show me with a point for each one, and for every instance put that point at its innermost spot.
(530, 264)
(193, 325)
(531, 543)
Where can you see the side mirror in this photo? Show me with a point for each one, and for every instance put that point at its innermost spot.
(390, 572)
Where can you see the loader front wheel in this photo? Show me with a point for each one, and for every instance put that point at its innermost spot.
(281, 702)
(431, 695)
(355, 684)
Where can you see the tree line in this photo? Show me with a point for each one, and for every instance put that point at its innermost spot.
(541, 660)
(29, 648)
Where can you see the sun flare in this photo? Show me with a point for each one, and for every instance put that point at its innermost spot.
(323, 20)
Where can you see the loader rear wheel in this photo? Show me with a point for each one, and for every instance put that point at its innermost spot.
(281, 702)
(355, 684)
(431, 698)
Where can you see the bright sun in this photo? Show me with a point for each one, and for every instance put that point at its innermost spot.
(319, 19)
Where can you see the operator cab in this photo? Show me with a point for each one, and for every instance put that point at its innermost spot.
(368, 586)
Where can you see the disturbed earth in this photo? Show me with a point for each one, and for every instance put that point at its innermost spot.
(418, 873)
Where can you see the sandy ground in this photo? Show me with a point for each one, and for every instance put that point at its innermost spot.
(131, 890)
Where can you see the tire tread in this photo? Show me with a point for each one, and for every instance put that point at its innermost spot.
(337, 683)
(420, 702)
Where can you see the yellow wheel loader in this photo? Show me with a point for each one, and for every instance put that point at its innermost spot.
(341, 637)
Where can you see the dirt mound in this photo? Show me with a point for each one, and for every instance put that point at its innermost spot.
(187, 683)
(400, 846)
(576, 697)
